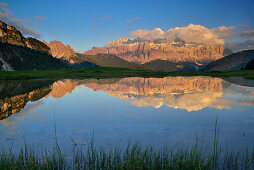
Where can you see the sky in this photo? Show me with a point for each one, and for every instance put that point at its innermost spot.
(84, 24)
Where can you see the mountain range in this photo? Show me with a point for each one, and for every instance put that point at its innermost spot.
(20, 53)
(67, 55)
(144, 51)
(235, 61)
(173, 92)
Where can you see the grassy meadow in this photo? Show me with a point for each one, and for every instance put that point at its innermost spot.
(113, 72)
(133, 157)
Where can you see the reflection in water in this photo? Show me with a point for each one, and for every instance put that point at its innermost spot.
(12, 105)
(189, 93)
(152, 110)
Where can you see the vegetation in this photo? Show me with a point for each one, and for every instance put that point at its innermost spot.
(234, 61)
(110, 60)
(23, 58)
(133, 157)
(18, 87)
(163, 65)
(108, 72)
(250, 65)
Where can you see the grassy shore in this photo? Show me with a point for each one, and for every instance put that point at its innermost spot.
(133, 157)
(107, 72)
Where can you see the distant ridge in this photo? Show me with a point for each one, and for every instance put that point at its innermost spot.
(235, 61)
(164, 65)
(145, 51)
(110, 60)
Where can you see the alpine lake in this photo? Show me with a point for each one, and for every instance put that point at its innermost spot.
(169, 111)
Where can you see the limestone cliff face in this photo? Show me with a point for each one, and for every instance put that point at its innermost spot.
(9, 34)
(62, 87)
(59, 50)
(189, 93)
(20, 53)
(146, 51)
(12, 105)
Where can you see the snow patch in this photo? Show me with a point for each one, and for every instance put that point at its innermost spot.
(198, 63)
(6, 66)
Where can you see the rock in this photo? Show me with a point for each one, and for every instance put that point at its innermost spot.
(59, 50)
(12, 105)
(145, 51)
(227, 52)
(9, 34)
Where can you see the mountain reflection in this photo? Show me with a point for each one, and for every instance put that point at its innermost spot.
(189, 93)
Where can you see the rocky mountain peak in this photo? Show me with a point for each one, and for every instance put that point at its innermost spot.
(143, 51)
(9, 34)
(59, 50)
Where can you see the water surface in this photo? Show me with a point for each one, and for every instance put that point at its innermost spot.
(153, 111)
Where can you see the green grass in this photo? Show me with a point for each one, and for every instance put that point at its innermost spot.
(133, 157)
(109, 72)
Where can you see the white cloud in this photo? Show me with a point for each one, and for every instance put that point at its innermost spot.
(240, 45)
(7, 16)
(248, 33)
(196, 34)
(157, 33)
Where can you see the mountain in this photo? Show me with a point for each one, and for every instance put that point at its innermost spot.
(235, 61)
(20, 53)
(12, 105)
(59, 50)
(67, 55)
(14, 95)
(164, 65)
(227, 52)
(110, 60)
(144, 51)
(10, 35)
(174, 92)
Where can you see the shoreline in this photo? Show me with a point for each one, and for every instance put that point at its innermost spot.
(113, 72)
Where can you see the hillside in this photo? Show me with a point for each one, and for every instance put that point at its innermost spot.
(20, 53)
(163, 65)
(144, 51)
(110, 60)
(14, 57)
(235, 61)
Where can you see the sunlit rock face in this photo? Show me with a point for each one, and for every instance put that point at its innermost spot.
(189, 93)
(62, 87)
(9, 34)
(59, 50)
(146, 51)
(12, 105)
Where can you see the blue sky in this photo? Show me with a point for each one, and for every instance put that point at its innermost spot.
(84, 24)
